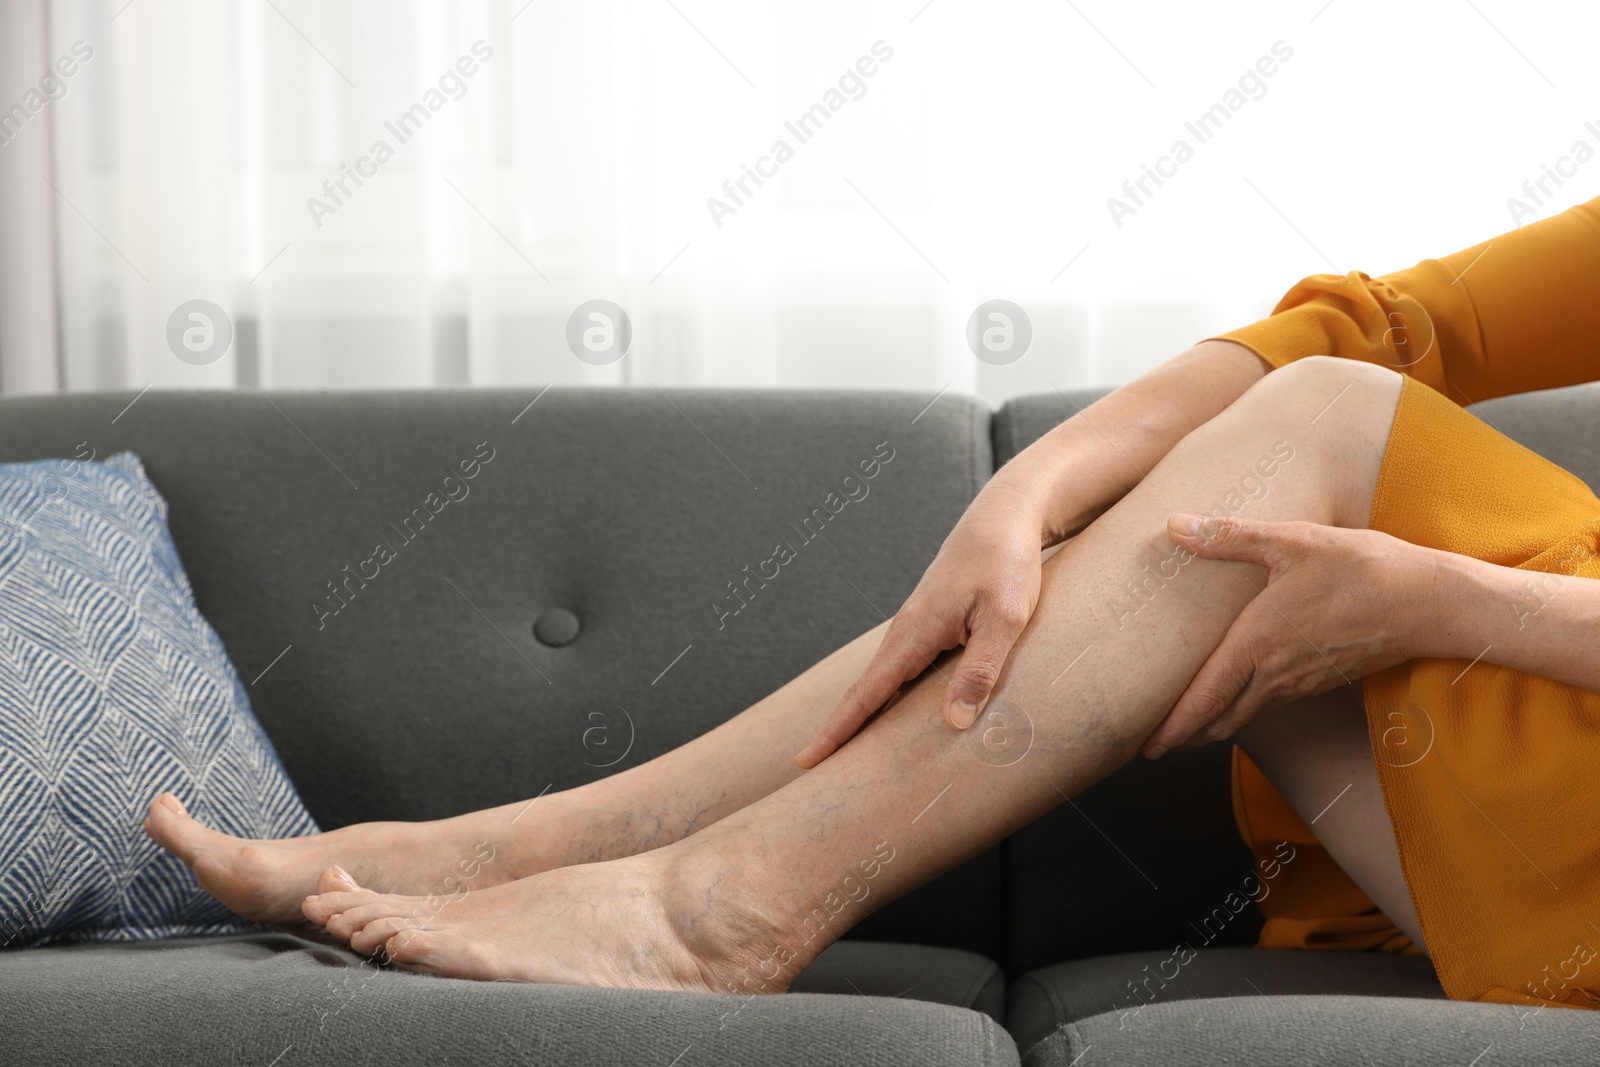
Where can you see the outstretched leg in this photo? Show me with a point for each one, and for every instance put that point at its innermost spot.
(644, 807)
(1123, 623)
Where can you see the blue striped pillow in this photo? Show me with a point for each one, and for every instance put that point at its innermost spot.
(113, 688)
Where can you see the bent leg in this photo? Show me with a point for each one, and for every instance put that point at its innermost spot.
(1317, 754)
(1123, 624)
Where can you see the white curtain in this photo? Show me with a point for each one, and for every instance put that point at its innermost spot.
(955, 153)
(30, 360)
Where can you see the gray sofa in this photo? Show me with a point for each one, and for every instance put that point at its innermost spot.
(631, 510)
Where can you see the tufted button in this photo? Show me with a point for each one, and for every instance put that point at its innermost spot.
(556, 627)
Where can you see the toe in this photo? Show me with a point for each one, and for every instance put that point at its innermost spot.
(414, 949)
(324, 906)
(336, 879)
(170, 826)
(348, 923)
(372, 937)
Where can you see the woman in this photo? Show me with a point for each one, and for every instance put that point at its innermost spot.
(1335, 540)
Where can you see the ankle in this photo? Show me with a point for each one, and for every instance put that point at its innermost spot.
(726, 923)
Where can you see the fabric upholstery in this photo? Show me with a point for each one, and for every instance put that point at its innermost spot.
(275, 1000)
(1317, 1031)
(921, 972)
(112, 690)
(635, 510)
(1133, 984)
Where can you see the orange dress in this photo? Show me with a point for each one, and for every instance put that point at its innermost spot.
(1489, 775)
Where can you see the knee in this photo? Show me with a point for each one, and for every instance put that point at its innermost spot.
(1317, 375)
(1309, 388)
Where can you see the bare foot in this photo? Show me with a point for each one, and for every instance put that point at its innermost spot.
(630, 923)
(265, 881)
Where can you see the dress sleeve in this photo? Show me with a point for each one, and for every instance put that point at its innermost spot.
(1513, 314)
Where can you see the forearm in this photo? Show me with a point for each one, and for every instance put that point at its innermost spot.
(1079, 469)
(1543, 623)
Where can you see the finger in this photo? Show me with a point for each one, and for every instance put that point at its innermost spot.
(1256, 698)
(898, 659)
(1213, 689)
(1250, 702)
(979, 669)
(1228, 538)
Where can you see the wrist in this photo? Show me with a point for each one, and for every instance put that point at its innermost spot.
(1019, 493)
(1453, 621)
(1061, 485)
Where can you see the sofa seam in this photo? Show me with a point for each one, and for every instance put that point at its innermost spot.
(1065, 1030)
(997, 429)
(978, 983)
(1074, 1037)
(992, 1031)
(978, 477)
(1055, 1002)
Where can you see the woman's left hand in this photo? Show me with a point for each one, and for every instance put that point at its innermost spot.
(1338, 604)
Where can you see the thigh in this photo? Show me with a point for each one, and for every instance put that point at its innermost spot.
(1317, 754)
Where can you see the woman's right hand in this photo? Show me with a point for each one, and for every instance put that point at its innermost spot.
(980, 591)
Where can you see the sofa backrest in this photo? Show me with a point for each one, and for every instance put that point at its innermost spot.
(410, 684)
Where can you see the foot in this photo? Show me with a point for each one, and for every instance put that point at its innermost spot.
(265, 881)
(629, 923)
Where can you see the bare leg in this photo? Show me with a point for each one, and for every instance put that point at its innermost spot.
(635, 810)
(1122, 625)
(1317, 754)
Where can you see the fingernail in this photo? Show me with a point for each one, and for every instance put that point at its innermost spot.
(963, 713)
(1189, 524)
(340, 872)
(1155, 751)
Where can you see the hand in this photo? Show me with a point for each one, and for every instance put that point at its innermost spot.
(980, 591)
(1338, 604)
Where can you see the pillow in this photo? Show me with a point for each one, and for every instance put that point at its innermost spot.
(113, 688)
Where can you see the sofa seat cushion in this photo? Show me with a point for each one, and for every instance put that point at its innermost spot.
(1318, 1031)
(1131, 986)
(915, 972)
(275, 999)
